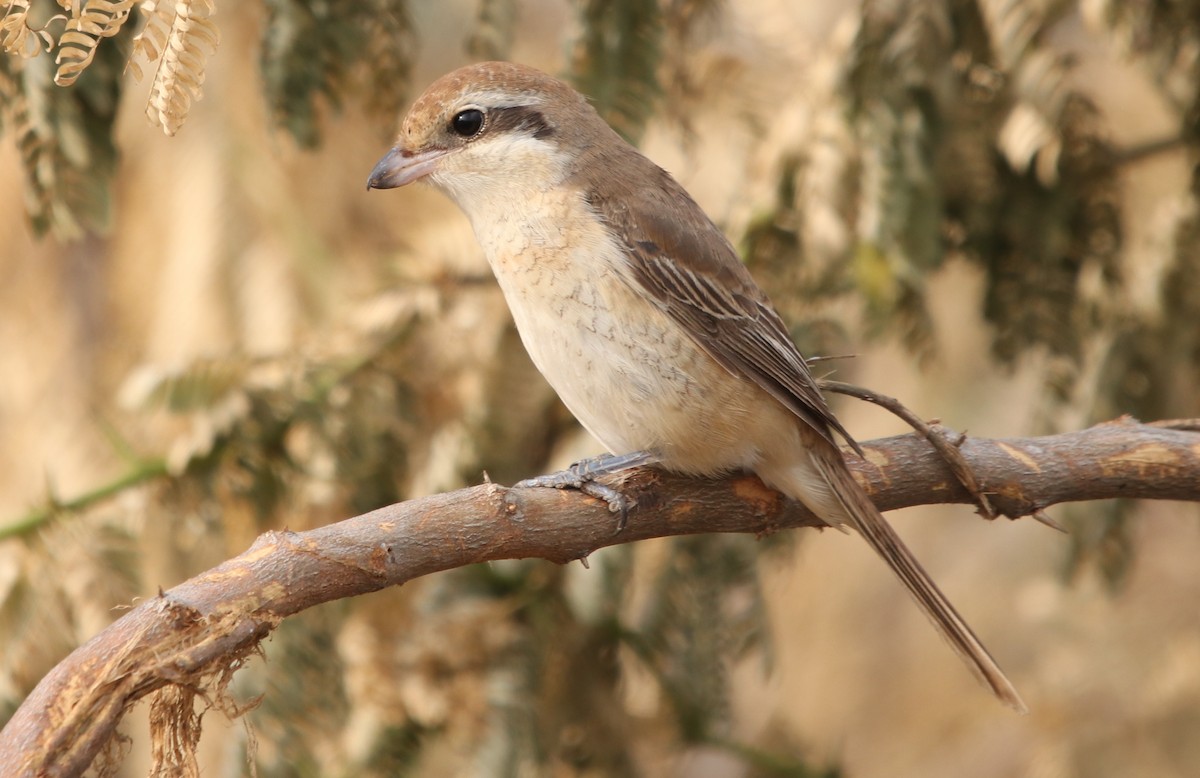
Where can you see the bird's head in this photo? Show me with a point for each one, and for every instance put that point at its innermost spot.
(492, 129)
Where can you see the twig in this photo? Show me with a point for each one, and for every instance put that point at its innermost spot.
(200, 627)
(145, 471)
(937, 435)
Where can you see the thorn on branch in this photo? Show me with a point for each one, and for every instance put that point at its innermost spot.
(1045, 518)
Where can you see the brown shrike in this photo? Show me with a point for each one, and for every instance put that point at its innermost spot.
(637, 310)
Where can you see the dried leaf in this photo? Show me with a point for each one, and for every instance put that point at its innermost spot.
(180, 38)
(86, 25)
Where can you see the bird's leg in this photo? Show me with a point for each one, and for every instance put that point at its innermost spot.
(583, 474)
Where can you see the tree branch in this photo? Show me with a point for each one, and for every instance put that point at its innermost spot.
(197, 630)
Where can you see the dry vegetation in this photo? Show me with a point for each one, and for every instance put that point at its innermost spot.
(220, 333)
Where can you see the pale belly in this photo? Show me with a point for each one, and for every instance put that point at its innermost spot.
(636, 381)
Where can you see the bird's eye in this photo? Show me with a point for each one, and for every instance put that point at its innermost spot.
(467, 123)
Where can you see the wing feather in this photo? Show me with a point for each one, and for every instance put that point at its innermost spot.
(687, 267)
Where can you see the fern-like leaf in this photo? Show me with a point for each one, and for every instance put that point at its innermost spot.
(21, 37)
(179, 38)
(64, 138)
(616, 61)
(1030, 136)
(319, 52)
(88, 23)
(387, 59)
(495, 25)
(1162, 36)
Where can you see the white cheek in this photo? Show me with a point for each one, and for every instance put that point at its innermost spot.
(504, 170)
(509, 188)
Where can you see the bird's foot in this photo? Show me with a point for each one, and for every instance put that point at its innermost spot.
(583, 474)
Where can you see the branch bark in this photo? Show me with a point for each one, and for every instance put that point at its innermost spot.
(204, 626)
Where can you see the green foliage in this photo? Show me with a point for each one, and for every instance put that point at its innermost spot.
(65, 138)
(308, 701)
(1042, 240)
(329, 49)
(1152, 365)
(311, 51)
(991, 159)
(704, 611)
(259, 429)
(1162, 35)
(773, 247)
(1100, 540)
(495, 25)
(971, 144)
(615, 62)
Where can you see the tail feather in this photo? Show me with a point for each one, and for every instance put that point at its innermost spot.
(862, 514)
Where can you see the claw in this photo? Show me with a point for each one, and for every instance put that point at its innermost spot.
(617, 502)
(583, 474)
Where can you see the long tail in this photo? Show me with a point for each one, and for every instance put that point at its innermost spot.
(857, 510)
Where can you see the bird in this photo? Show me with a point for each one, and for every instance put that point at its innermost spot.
(638, 311)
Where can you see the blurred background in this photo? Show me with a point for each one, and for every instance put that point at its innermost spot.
(991, 203)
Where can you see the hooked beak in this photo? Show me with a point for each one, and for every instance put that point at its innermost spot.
(401, 166)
